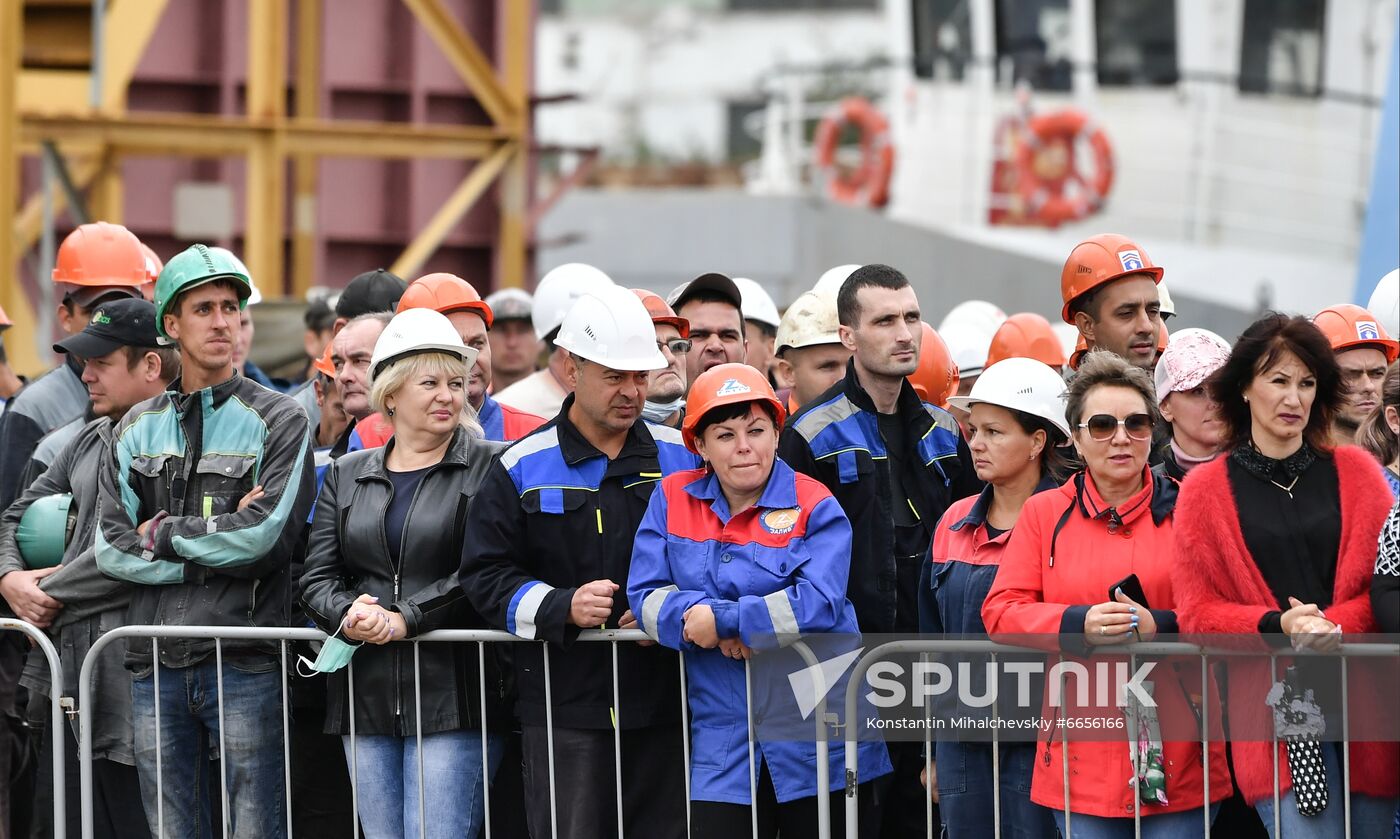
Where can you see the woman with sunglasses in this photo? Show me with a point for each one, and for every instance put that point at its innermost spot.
(1278, 541)
(1065, 574)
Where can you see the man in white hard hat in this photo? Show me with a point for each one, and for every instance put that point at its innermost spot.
(712, 305)
(515, 350)
(542, 393)
(760, 324)
(811, 357)
(551, 545)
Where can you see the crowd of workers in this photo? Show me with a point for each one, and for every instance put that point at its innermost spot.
(715, 473)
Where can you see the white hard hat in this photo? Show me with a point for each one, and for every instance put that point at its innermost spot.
(611, 326)
(1385, 302)
(757, 305)
(833, 279)
(976, 312)
(1165, 306)
(809, 321)
(415, 331)
(969, 343)
(558, 290)
(1021, 384)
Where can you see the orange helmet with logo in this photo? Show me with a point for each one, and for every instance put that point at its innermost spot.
(1348, 326)
(936, 378)
(1026, 335)
(726, 384)
(101, 255)
(1098, 261)
(661, 311)
(443, 293)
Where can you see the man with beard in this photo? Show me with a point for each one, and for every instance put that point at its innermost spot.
(552, 530)
(895, 464)
(1362, 348)
(666, 388)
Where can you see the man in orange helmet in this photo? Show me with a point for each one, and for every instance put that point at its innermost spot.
(459, 301)
(1362, 348)
(665, 402)
(1109, 289)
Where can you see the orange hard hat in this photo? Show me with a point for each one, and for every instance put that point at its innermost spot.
(1162, 338)
(726, 384)
(1080, 348)
(101, 255)
(325, 364)
(661, 311)
(1026, 335)
(936, 378)
(1100, 260)
(443, 292)
(1348, 326)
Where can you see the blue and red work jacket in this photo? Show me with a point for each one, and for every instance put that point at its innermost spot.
(773, 573)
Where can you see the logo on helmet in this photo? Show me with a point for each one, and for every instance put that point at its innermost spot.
(101, 317)
(779, 522)
(1367, 330)
(1131, 260)
(1084, 269)
(732, 387)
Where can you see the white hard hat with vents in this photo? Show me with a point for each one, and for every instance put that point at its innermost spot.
(1020, 384)
(415, 331)
(810, 320)
(557, 292)
(757, 305)
(611, 326)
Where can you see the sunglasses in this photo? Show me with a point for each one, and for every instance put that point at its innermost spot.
(677, 346)
(1102, 427)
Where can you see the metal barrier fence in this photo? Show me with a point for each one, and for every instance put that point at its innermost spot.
(42, 642)
(822, 731)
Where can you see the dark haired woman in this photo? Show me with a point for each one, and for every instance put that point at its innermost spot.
(1278, 539)
(740, 555)
(1071, 545)
(1379, 433)
(1016, 420)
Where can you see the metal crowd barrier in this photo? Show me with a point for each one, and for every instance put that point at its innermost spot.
(56, 721)
(822, 732)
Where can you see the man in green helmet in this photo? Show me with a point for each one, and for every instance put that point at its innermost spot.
(202, 504)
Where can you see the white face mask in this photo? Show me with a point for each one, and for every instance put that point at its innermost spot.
(659, 411)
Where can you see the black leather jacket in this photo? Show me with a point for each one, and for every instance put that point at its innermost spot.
(348, 555)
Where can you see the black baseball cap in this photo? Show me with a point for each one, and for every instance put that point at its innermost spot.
(126, 322)
(373, 291)
(712, 283)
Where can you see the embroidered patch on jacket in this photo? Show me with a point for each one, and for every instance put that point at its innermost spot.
(779, 521)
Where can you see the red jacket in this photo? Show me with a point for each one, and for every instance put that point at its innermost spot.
(1220, 590)
(1033, 596)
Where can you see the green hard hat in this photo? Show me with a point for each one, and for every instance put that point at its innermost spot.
(195, 266)
(45, 529)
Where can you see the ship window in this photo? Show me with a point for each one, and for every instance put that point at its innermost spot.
(1281, 49)
(1033, 43)
(1136, 41)
(942, 39)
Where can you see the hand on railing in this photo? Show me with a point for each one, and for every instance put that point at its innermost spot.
(928, 776)
(1308, 628)
(1110, 623)
(699, 627)
(592, 604)
(371, 623)
(734, 648)
(629, 621)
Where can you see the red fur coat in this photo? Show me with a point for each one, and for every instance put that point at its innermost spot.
(1219, 590)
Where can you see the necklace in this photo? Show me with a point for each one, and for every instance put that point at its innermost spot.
(1288, 489)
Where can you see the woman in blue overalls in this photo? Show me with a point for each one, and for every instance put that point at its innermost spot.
(746, 555)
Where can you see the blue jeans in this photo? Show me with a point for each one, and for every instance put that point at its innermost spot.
(189, 737)
(386, 779)
(965, 798)
(1160, 826)
(1370, 816)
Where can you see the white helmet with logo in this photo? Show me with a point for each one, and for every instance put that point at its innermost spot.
(1020, 384)
(558, 290)
(414, 331)
(611, 326)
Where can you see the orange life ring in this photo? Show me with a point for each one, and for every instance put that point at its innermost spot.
(869, 183)
(1045, 166)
